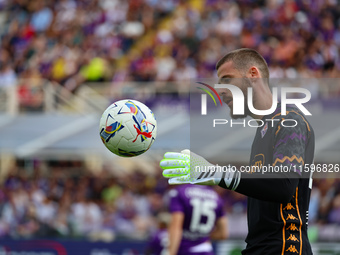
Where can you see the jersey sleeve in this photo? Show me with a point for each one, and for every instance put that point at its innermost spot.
(290, 146)
(176, 203)
(288, 151)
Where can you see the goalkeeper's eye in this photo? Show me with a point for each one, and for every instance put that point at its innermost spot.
(225, 80)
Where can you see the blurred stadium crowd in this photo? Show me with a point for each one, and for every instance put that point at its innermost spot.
(74, 41)
(106, 207)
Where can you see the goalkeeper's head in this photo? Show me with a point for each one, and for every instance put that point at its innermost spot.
(245, 68)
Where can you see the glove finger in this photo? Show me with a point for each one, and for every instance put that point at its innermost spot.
(175, 172)
(186, 152)
(178, 180)
(175, 155)
(172, 163)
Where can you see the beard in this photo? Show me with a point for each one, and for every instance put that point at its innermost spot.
(246, 83)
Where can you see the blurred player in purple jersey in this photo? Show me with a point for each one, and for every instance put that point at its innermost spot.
(196, 216)
(159, 242)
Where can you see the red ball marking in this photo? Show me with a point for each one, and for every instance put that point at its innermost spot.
(133, 109)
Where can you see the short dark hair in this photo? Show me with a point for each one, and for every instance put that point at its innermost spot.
(244, 58)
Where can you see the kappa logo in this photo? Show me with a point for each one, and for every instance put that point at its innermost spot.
(292, 238)
(289, 207)
(291, 217)
(292, 227)
(292, 248)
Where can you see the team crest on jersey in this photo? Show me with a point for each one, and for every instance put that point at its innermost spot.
(264, 130)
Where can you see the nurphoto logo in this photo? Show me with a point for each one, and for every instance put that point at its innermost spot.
(238, 102)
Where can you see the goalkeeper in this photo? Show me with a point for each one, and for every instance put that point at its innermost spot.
(277, 202)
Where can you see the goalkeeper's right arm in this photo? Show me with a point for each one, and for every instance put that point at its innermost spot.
(181, 169)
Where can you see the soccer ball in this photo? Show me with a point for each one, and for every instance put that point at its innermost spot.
(128, 128)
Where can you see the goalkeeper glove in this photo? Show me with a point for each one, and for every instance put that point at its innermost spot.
(188, 167)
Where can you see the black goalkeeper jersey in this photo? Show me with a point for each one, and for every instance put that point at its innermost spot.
(278, 199)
